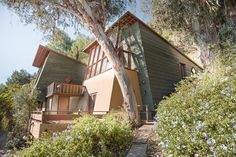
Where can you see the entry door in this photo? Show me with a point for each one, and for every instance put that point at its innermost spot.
(92, 99)
(63, 104)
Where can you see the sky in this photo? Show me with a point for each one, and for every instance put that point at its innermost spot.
(19, 42)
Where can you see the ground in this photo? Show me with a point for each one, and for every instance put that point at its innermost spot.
(153, 149)
(145, 142)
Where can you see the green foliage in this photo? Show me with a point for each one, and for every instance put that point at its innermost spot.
(19, 78)
(200, 117)
(6, 107)
(78, 46)
(49, 15)
(87, 137)
(62, 43)
(24, 101)
(194, 26)
(2, 88)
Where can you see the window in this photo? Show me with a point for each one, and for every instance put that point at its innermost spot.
(182, 70)
(193, 71)
(49, 106)
(92, 99)
(97, 62)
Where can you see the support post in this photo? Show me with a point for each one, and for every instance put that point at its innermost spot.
(147, 113)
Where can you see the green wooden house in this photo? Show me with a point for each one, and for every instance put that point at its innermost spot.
(152, 64)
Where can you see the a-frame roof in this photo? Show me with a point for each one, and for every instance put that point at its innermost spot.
(128, 19)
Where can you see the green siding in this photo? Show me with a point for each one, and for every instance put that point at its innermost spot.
(162, 64)
(133, 37)
(56, 67)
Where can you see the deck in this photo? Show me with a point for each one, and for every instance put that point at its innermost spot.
(65, 89)
(61, 116)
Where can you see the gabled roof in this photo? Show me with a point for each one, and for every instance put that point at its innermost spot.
(128, 19)
(42, 54)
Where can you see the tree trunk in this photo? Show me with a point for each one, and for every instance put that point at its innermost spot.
(130, 103)
(231, 10)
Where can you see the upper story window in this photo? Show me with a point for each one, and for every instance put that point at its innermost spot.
(99, 63)
(193, 71)
(182, 68)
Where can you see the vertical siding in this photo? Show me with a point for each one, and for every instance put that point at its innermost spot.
(56, 68)
(162, 64)
(133, 37)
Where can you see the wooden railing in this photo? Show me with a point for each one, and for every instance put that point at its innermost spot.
(65, 89)
(46, 116)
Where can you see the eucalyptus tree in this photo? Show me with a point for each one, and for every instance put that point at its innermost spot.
(211, 22)
(62, 43)
(92, 14)
(59, 41)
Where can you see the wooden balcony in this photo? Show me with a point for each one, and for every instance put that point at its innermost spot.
(57, 116)
(65, 89)
(47, 116)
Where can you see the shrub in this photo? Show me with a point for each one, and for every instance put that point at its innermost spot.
(199, 119)
(87, 137)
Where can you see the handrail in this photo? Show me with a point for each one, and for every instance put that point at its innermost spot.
(64, 111)
(45, 116)
(65, 89)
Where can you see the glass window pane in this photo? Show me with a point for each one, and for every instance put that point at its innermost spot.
(108, 65)
(88, 73)
(98, 68)
(100, 54)
(96, 55)
(93, 70)
(91, 58)
(126, 58)
(104, 64)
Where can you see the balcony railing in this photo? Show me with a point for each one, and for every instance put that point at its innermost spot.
(47, 116)
(65, 89)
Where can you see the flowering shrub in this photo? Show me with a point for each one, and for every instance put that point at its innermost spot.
(87, 137)
(199, 119)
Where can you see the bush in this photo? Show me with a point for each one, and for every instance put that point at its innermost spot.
(87, 137)
(199, 119)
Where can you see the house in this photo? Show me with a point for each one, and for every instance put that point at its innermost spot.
(152, 64)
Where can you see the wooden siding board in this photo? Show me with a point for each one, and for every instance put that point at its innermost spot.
(57, 67)
(133, 37)
(162, 64)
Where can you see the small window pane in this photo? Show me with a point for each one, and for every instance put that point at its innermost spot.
(108, 65)
(96, 54)
(98, 68)
(100, 54)
(104, 64)
(126, 58)
(93, 70)
(91, 58)
(88, 73)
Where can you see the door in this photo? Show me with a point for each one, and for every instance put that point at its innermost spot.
(63, 105)
(92, 99)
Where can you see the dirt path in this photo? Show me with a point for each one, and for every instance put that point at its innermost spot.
(144, 143)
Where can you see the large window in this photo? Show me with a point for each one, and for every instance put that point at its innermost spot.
(182, 69)
(99, 63)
